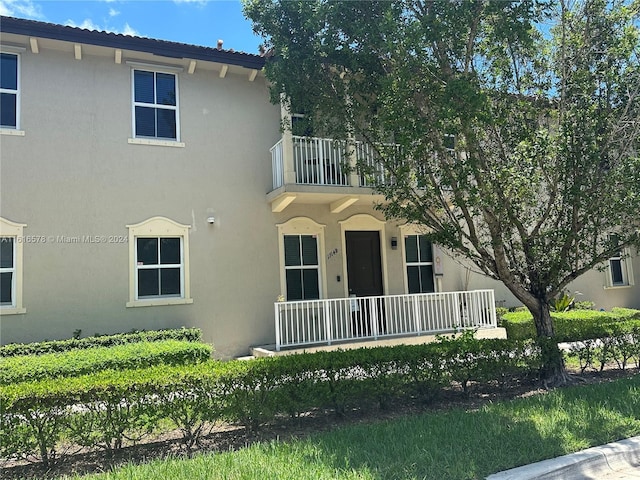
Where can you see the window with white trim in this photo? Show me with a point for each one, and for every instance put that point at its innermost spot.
(9, 90)
(11, 244)
(419, 264)
(159, 272)
(619, 272)
(301, 250)
(155, 105)
(302, 270)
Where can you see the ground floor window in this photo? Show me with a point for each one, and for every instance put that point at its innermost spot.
(11, 244)
(159, 255)
(302, 270)
(160, 267)
(619, 273)
(301, 250)
(419, 264)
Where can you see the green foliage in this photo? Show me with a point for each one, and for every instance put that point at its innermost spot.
(562, 303)
(79, 362)
(584, 305)
(542, 99)
(570, 326)
(112, 408)
(38, 348)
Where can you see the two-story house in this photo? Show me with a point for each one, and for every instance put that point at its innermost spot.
(147, 184)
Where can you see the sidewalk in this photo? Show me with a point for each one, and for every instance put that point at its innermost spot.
(618, 460)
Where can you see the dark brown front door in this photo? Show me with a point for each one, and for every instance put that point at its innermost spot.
(364, 268)
(364, 277)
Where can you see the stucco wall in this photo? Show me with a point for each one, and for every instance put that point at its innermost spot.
(74, 174)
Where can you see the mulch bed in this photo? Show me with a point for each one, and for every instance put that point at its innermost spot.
(229, 437)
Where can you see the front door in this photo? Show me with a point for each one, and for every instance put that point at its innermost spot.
(364, 278)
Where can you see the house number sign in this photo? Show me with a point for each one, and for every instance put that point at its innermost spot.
(332, 253)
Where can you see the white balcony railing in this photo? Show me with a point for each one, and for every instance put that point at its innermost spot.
(369, 318)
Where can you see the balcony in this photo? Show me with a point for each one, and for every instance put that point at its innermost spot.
(322, 171)
(325, 322)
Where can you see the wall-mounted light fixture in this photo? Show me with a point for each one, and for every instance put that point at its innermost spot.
(394, 243)
(211, 220)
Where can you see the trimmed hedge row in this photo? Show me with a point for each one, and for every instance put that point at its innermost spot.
(108, 409)
(74, 363)
(39, 348)
(571, 326)
(619, 342)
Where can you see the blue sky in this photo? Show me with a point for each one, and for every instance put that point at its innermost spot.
(199, 22)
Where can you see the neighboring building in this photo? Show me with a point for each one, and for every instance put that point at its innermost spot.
(146, 184)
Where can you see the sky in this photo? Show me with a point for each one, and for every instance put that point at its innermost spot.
(197, 22)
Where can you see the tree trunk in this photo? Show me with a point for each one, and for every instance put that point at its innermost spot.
(552, 370)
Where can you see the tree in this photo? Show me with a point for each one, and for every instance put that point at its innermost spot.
(542, 99)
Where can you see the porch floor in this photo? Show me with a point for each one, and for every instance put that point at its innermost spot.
(270, 350)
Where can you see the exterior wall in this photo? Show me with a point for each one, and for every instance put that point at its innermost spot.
(74, 173)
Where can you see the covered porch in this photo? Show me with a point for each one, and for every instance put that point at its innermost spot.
(344, 321)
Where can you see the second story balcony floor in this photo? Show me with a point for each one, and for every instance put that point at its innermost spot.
(323, 171)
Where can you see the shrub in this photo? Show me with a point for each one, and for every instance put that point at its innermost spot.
(571, 326)
(107, 409)
(79, 362)
(39, 348)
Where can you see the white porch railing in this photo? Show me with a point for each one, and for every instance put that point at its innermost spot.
(332, 320)
(277, 164)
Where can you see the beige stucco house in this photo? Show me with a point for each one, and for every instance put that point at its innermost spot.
(147, 184)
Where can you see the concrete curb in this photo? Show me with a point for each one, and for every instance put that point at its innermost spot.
(593, 463)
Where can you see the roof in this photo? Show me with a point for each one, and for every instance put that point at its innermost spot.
(162, 48)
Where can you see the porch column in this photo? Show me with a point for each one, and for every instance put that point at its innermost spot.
(352, 160)
(287, 142)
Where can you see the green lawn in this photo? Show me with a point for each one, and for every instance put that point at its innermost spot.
(455, 444)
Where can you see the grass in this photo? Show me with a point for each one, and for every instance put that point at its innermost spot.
(454, 444)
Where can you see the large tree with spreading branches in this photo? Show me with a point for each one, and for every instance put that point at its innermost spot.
(542, 182)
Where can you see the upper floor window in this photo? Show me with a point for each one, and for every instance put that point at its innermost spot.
(155, 105)
(9, 91)
(419, 264)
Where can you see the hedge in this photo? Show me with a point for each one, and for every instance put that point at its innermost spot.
(571, 326)
(74, 363)
(107, 409)
(39, 348)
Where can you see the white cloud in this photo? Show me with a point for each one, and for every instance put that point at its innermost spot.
(113, 12)
(22, 8)
(130, 31)
(89, 24)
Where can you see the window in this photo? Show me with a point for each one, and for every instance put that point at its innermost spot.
(301, 267)
(11, 243)
(419, 264)
(301, 247)
(7, 271)
(159, 273)
(159, 266)
(619, 272)
(9, 93)
(155, 105)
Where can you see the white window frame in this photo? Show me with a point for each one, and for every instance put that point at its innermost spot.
(625, 268)
(9, 229)
(145, 140)
(413, 229)
(302, 226)
(159, 227)
(315, 267)
(8, 130)
(417, 263)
